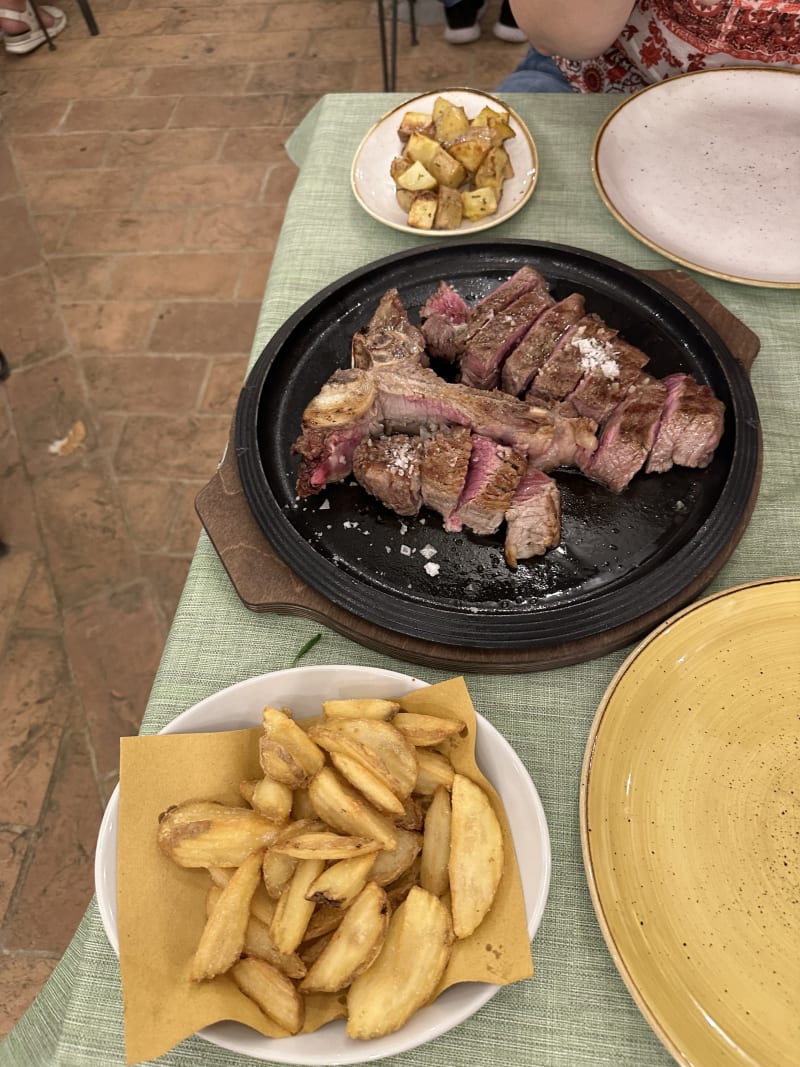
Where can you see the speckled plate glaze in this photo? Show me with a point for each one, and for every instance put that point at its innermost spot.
(705, 168)
(375, 190)
(690, 824)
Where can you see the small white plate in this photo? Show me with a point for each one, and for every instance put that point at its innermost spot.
(375, 190)
(705, 168)
(303, 689)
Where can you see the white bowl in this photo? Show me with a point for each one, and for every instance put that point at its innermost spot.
(374, 187)
(303, 689)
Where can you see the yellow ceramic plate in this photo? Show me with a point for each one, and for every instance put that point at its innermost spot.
(690, 823)
(375, 190)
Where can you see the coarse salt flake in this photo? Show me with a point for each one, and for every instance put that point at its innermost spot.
(405, 550)
(432, 569)
(428, 551)
(325, 505)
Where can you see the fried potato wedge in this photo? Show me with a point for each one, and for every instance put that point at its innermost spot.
(326, 845)
(376, 791)
(208, 834)
(258, 941)
(378, 745)
(361, 708)
(278, 868)
(269, 798)
(354, 945)
(434, 868)
(413, 817)
(286, 752)
(223, 935)
(261, 906)
(407, 971)
(343, 808)
(293, 911)
(325, 920)
(390, 863)
(274, 993)
(424, 730)
(341, 882)
(433, 770)
(476, 855)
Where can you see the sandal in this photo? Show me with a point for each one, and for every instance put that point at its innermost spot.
(34, 36)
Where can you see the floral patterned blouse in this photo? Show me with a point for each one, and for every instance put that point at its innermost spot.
(666, 37)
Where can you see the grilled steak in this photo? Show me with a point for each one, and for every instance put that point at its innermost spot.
(389, 469)
(485, 352)
(569, 360)
(691, 425)
(445, 460)
(627, 436)
(492, 478)
(339, 417)
(525, 361)
(412, 398)
(389, 336)
(444, 317)
(612, 368)
(533, 518)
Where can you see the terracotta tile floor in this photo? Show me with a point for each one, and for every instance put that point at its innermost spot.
(143, 181)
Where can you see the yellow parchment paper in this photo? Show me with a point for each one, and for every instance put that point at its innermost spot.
(161, 906)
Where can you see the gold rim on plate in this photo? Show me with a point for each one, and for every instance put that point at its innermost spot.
(690, 827)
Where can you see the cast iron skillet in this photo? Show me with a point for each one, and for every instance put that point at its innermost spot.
(619, 557)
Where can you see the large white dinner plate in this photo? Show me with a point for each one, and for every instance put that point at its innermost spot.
(374, 187)
(705, 168)
(690, 821)
(303, 689)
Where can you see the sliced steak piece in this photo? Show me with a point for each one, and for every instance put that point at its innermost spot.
(411, 399)
(389, 469)
(570, 358)
(445, 460)
(492, 478)
(447, 303)
(522, 281)
(485, 353)
(534, 349)
(533, 518)
(691, 425)
(611, 372)
(444, 317)
(627, 436)
(340, 416)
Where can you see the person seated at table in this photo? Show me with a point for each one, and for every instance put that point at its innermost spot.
(20, 28)
(600, 46)
(463, 22)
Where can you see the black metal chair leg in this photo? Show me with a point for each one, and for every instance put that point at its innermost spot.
(42, 26)
(382, 32)
(393, 75)
(412, 18)
(89, 18)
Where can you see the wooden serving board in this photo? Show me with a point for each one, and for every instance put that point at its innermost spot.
(265, 583)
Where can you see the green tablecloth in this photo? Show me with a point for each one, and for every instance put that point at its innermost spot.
(577, 1010)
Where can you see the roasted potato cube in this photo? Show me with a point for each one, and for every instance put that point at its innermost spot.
(451, 122)
(405, 198)
(497, 122)
(416, 122)
(398, 166)
(422, 213)
(444, 168)
(449, 210)
(492, 172)
(479, 203)
(417, 178)
(470, 148)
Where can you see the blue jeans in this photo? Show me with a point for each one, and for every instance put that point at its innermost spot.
(536, 74)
